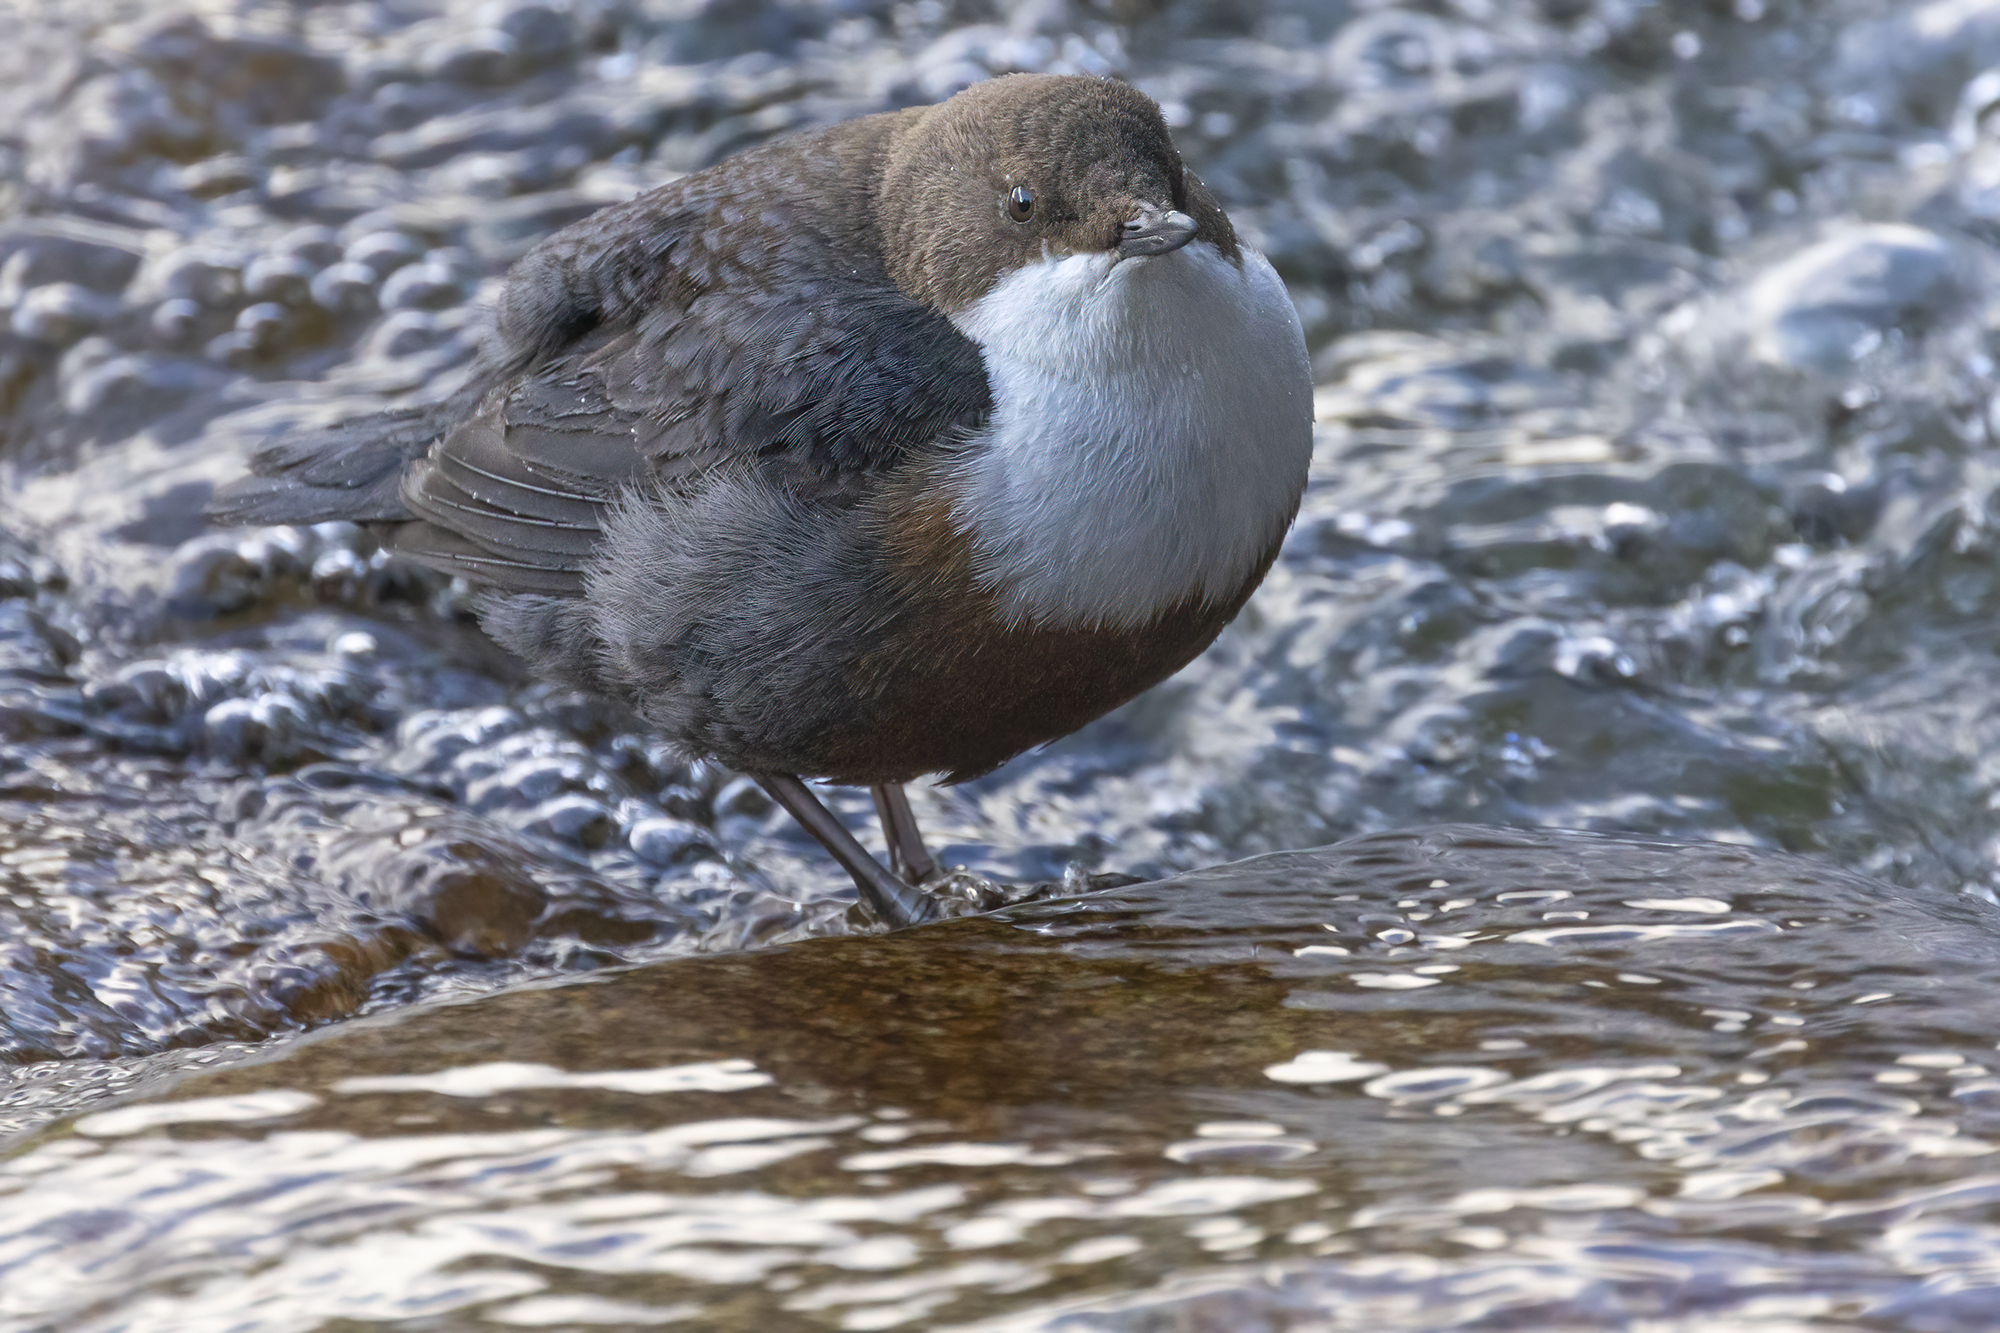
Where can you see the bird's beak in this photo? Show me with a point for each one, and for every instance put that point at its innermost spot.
(1155, 232)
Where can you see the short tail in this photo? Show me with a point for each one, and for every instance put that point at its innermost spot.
(352, 471)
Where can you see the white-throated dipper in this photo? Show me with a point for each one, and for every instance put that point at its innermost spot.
(885, 450)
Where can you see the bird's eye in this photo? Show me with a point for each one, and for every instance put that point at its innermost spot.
(1020, 203)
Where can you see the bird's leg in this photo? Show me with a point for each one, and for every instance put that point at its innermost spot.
(908, 856)
(897, 903)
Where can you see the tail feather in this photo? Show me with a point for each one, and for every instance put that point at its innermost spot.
(350, 471)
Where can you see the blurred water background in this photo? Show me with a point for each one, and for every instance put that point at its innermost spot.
(1654, 493)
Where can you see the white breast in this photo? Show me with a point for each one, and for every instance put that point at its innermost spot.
(1151, 428)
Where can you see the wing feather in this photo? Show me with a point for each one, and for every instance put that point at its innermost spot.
(730, 319)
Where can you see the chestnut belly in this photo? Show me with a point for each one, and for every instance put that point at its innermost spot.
(856, 645)
(949, 690)
(967, 705)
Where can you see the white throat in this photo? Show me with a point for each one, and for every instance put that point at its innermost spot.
(1151, 429)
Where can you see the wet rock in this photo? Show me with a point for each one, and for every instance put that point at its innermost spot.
(1914, 62)
(535, 776)
(481, 59)
(343, 574)
(270, 731)
(406, 333)
(314, 245)
(321, 980)
(670, 842)
(120, 121)
(215, 576)
(401, 105)
(59, 313)
(742, 798)
(1456, 1077)
(208, 276)
(261, 327)
(473, 897)
(176, 322)
(426, 286)
(542, 34)
(113, 395)
(95, 257)
(346, 289)
(283, 278)
(573, 819)
(218, 176)
(383, 252)
(222, 573)
(1836, 300)
(259, 80)
(585, 134)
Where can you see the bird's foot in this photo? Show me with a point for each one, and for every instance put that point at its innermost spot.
(964, 892)
(893, 899)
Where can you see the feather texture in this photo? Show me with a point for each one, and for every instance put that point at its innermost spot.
(728, 319)
(805, 459)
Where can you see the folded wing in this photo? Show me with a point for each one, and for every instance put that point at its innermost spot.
(641, 351)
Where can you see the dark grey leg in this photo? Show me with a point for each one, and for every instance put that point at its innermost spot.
(908, 857)
(893, 900)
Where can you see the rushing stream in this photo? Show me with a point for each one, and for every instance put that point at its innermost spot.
(1654, 494)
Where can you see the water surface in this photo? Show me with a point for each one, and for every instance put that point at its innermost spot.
(1455, 1079)
(1652, 494)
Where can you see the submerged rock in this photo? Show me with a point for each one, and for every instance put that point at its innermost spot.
(1454, 1077)
(1832, 303)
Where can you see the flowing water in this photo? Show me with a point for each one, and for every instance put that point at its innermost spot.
(1461, 1078)
(1653, 494)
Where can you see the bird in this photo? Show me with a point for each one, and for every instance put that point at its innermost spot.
(879, 451)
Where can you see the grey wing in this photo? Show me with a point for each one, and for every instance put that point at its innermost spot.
(644, 347)
(823, 387)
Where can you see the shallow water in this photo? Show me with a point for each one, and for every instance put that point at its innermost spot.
(1652, 493)
(1460, 1079)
